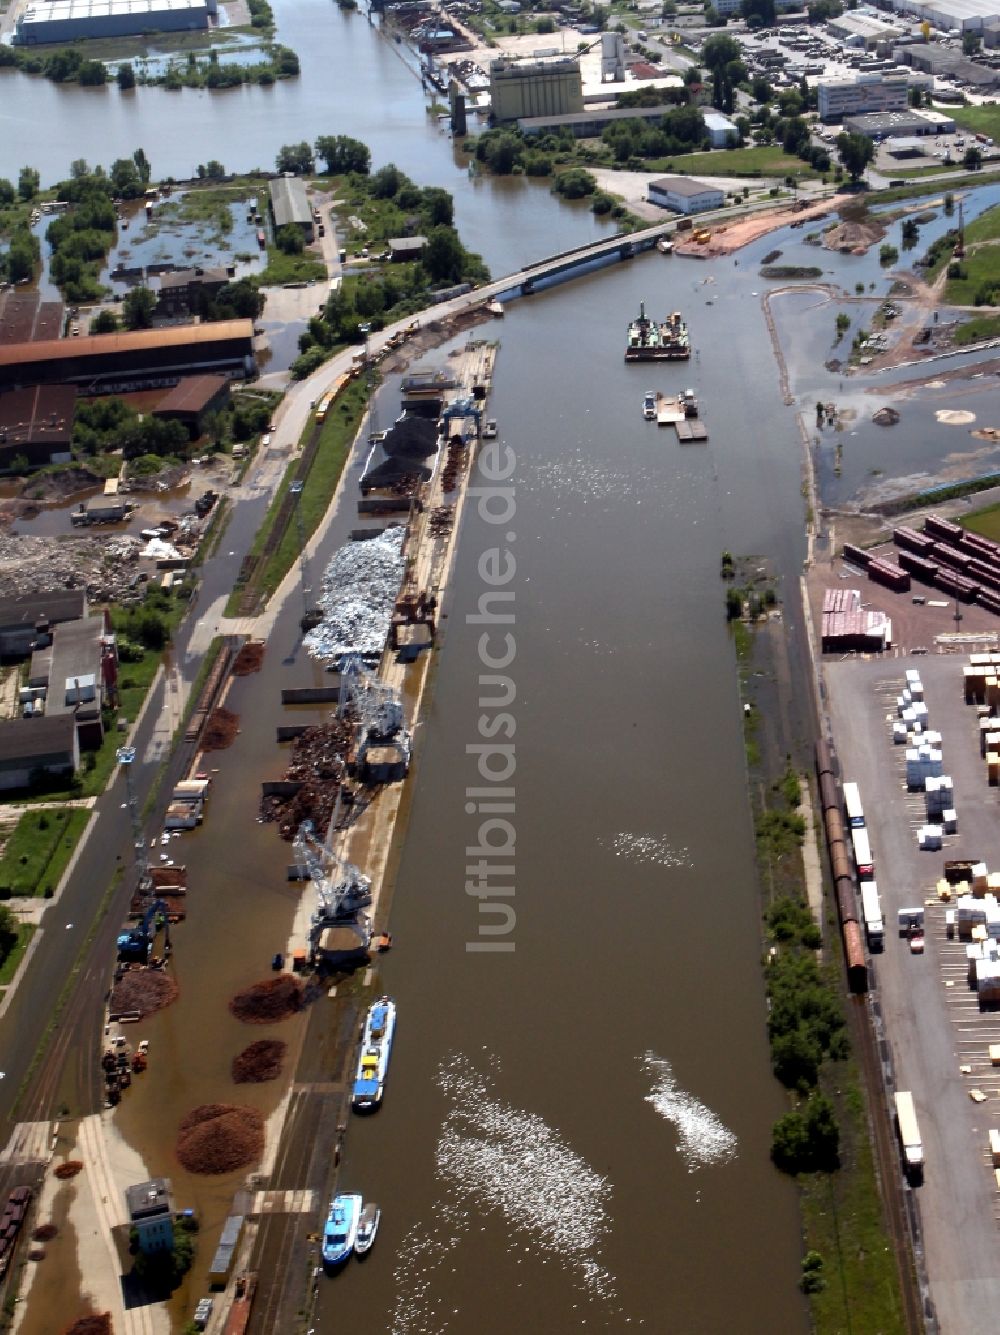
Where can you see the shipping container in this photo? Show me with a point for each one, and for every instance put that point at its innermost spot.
(889, 575)
(989, 599)
(863, 859)
(911, 540)
(948, 555)
(840, 862)
(824, 761)
(856, 555)
(836, 830)
(943, 530)
(920, 566)
(852, 806)
(958, 586)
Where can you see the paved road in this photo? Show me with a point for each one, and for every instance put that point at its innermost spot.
(931, 1029)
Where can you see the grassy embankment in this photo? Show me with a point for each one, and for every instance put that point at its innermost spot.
(335, 438)
(849, 1270)
(25, 931)
(985, 522)
(282, 268)
(768, 161)
(38, 850)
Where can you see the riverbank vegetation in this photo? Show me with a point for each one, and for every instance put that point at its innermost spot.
(371, 209)
(83, 64)
(848, 1271)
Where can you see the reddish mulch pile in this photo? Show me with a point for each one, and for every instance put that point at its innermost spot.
(249, 658)
(45, 1232)
(91, 1325)
(219, 1137)
(264, 1003)
(220, 730)
(259, 1062)
(68, 1169)
(143, 990)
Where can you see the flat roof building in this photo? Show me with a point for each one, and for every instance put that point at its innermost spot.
(963, 15)
(151, 1214)
(76, 685)
(290, 204)
(24, 317)
(406, 247)
(721, 130)
(36, 426)
(144, 358)
(535, 88)
(180, 292)
(896, 124)
(24, 615)
(683, 194)
(33, 746)
(70, 20)
(837, 98)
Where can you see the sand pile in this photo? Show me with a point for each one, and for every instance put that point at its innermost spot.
(220, 730)
(264, 1003)
(853, 237)
(259, 1062)
(249, 658)
(220, 1137)
(143, 990)
(68, 1169)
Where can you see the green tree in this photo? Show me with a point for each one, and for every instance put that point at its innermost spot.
(126, 75)
(972, 159)
(93, 73)
(295, 158)
(717, 54)
(289, 240)
(386, 181)
(762, 90)
(125, 178)
(971, 42)
(28, 182)
(138, 308)
(7, 192)
(438, 206)
(343, 154)
(104, 322)
(856, 151)
(142, 165)
(8, 931)
(443, 255)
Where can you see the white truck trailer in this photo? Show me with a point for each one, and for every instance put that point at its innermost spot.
(909, 1135)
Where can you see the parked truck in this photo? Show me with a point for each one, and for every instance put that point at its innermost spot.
(909, 1135)
(871, 911)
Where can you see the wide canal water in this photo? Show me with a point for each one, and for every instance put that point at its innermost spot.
(575, 1131)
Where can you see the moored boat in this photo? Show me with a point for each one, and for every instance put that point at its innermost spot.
(341, 1228)
(657, 341)
(490, 429)
(368, 1224)
(649, 405)
(664, 246)
(373, 1063)
(495, 308)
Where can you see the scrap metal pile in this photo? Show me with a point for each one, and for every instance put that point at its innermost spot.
(318, 764)
(359, 591)
(105, 567)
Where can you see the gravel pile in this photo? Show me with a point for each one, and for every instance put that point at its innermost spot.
(264, 1003)
(360, 587)
(259, 1062)
(220, 1137)
(143, 990)
(220, 730)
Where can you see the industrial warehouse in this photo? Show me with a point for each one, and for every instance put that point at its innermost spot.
(71, 20)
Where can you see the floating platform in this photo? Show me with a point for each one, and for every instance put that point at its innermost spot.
(690, 432)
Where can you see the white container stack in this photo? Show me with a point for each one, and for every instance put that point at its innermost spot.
(939, 794)
(914, 684)
(923, 762)
(929, 838)
(900, 733)
(949, 820)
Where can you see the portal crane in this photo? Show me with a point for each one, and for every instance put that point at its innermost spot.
(376, 707)
(341, 887)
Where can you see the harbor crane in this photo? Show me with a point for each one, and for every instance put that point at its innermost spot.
(341, 887)
(377, 708)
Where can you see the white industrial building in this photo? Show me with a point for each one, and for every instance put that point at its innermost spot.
(684, 194)
(865, 92)
(721, 131)
(951, 15)
(68, 20)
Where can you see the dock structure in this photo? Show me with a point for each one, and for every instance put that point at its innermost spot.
(691, 432)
